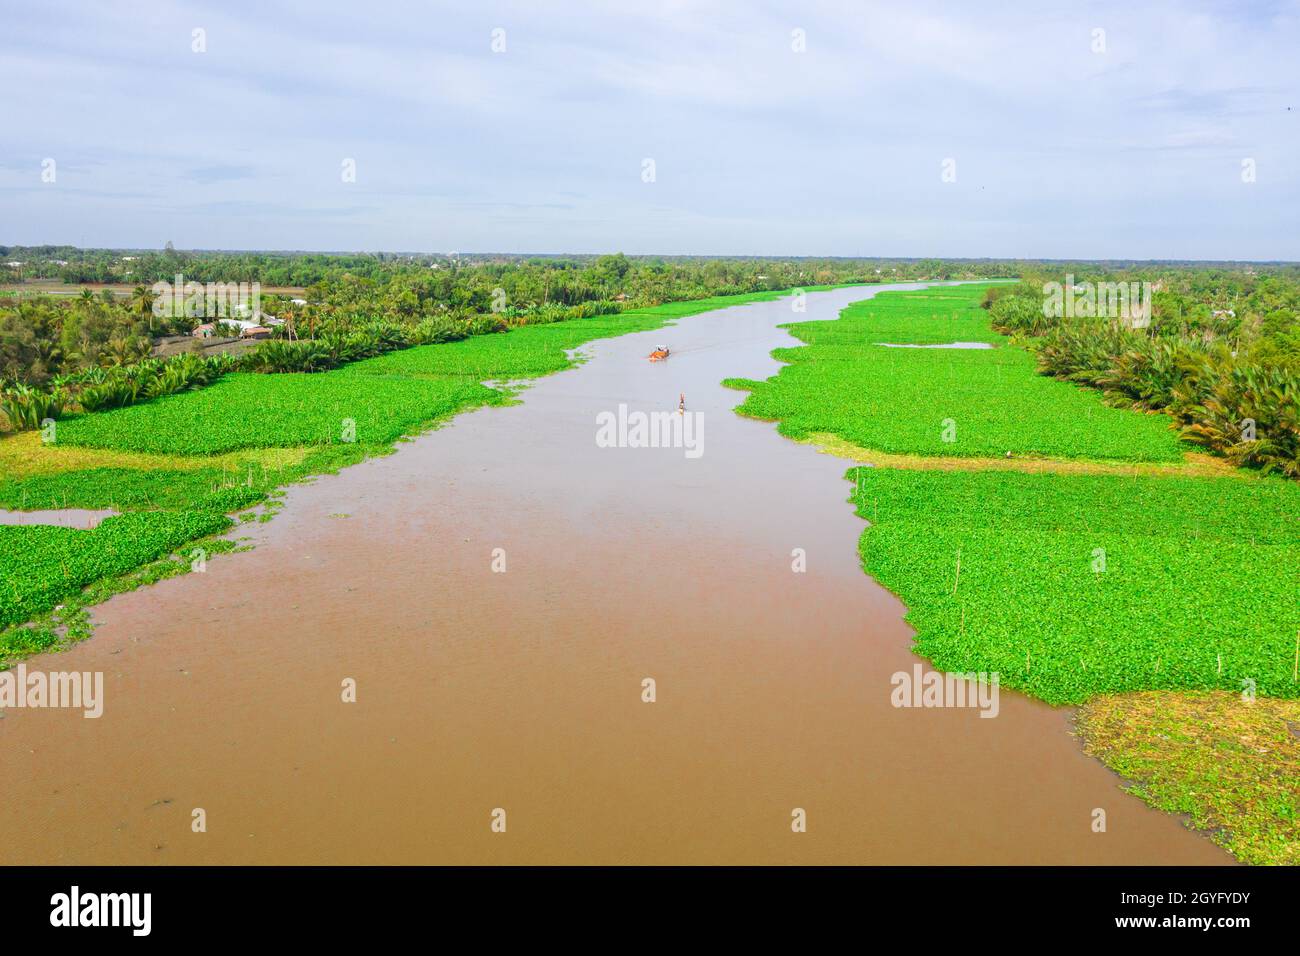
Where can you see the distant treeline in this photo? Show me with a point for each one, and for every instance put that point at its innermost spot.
(128, 266)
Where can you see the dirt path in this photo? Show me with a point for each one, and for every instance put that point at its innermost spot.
(522, 690)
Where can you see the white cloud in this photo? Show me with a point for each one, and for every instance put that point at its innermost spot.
(1059, 150)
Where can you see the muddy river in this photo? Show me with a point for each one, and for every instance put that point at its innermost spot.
(499, 590)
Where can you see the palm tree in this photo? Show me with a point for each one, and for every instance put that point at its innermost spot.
(119, 350)
(142, 300)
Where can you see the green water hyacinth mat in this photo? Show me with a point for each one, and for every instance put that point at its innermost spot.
(1070, 586)
(40, 565)
(941, 401)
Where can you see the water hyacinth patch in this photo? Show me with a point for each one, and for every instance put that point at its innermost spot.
(952, 402)
(40, 565)
(1076, 585)
(247, 410)
(126, 489)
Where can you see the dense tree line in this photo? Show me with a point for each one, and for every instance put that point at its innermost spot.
(605, 273)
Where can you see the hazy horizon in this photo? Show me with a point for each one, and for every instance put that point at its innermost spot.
(533, 254)
(775, 130)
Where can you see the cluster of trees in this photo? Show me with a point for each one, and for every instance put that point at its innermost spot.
(1219, 352)
(43, 337)
(23, 407)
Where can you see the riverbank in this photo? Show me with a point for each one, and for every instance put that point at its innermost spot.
(1075, 549)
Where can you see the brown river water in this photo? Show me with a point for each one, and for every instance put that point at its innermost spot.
(479, 689)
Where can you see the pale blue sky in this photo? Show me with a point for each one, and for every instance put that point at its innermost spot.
(1060, 151)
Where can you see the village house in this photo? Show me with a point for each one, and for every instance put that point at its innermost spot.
(258, 328)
